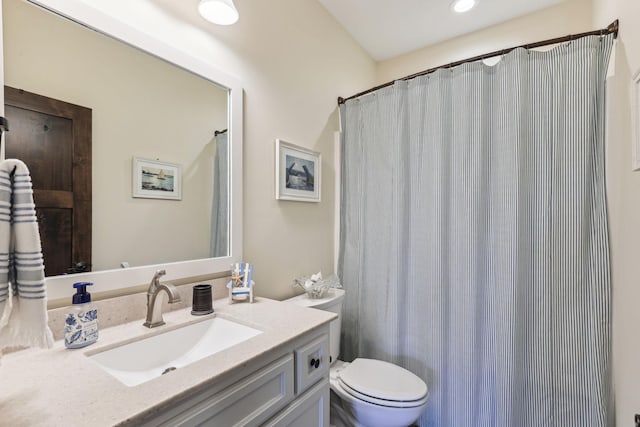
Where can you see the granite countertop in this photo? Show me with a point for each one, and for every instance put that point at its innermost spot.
(63, 387)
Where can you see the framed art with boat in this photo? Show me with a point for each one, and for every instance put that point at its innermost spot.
(153, 179)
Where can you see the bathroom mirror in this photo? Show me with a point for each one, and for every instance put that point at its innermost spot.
(144, 233)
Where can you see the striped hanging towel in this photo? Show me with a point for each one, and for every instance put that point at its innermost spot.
(23, 301)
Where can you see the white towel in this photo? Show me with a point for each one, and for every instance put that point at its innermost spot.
(23, 300)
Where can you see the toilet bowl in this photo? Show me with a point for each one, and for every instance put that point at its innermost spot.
(367, 392)
(374, 393)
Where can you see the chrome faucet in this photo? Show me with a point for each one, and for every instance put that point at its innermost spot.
(154, 304)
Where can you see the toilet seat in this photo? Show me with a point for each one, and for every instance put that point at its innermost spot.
(381, 402)
(382, 383)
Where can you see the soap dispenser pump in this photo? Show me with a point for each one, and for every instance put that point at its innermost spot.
(81, 324)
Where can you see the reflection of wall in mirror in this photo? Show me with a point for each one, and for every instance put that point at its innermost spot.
(141, 107)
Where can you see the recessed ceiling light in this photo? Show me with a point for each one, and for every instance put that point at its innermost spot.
(462, 6)
(221, 12)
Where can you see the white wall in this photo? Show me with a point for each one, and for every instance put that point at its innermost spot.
(293, 60)
(623, 186)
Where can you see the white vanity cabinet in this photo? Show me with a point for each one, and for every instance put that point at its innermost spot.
(288, 386)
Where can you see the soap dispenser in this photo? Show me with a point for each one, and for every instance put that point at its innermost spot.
(81, 324)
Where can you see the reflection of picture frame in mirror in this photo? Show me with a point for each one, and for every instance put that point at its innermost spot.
(297, 173)
(153, 179)
(636, 121)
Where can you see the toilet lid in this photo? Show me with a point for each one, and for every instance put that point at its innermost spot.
(377, 381)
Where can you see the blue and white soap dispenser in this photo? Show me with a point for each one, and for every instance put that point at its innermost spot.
(81, 324)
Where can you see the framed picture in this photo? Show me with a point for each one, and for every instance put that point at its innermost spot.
(297, 173)
(636, 122)
(153, 179)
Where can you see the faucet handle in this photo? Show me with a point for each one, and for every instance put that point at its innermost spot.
(158, 275)
(155, 282)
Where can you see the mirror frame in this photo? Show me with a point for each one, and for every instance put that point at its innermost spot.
(113, 280)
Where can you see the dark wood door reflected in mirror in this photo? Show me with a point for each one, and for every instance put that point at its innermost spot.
(53, 138)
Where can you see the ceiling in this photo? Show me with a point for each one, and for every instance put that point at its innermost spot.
(388, 28)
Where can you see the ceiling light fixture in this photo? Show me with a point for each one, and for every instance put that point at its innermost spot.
(461, 6)
(221, 12)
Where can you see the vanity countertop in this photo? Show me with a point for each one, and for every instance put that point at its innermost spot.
(64, 387)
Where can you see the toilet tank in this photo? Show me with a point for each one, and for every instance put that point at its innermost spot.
(333, 303)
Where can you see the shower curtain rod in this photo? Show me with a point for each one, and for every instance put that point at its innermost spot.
(612, 28)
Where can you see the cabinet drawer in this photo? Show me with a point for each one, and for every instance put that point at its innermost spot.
(312, 363)
(249, 402)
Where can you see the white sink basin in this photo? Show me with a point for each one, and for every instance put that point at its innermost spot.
(140, 361)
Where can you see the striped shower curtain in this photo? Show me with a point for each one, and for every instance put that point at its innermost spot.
(220, 200)
(474, 242)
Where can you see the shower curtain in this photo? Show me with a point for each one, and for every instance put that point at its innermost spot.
(474, 242)
(220, 200)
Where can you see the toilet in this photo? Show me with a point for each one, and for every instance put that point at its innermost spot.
(366, 392)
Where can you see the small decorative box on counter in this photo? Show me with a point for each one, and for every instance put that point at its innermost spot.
(241, 284)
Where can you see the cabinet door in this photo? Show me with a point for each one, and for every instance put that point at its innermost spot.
(310, 409)
(249, 402)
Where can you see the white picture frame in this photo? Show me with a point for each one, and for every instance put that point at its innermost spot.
(636, 122)
(298, 173)
(153, 179)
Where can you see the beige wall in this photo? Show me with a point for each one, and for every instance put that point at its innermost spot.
(293, 60)
(569, 17)
(623, 186)
(171, 116)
